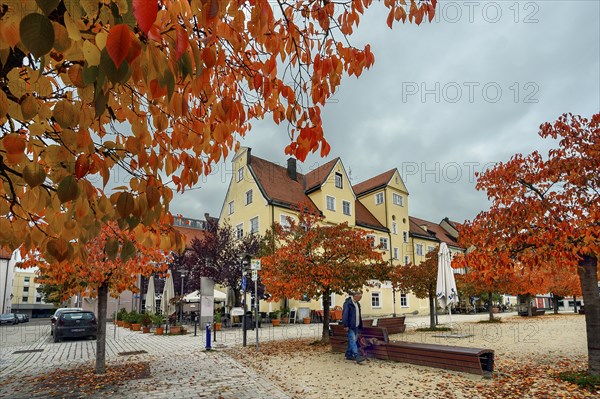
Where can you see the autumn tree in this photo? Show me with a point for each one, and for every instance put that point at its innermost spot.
(113, 262)
(154, 93)
(313, 260)
(217, 255)
(545, 214)
(421, 279)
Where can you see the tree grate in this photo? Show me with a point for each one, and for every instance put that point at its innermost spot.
(28, 351)
(131, 353)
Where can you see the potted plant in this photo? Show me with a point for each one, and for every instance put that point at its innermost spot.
(285, 315)
(121, 317)
(146, 321)
(158, 320)
(306, 320)
(274, 316)
(217, 320)
(127, 320)
(135, 320)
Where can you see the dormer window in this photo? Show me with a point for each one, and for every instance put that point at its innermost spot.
(338, 180)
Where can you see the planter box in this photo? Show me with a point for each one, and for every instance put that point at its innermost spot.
(145, 330)
(160, 330)
(275, 322)
(136, 327)
(306, 320)
(176, 330)
(126, 324)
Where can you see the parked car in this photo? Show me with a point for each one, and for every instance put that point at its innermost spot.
(75, 325)
(8, 318)
(57, 314)
(22, 317)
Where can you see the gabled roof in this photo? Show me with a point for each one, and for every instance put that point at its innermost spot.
(374, 183)
(190, 233)
(315, 178)
(416, 230)
(277, 186)
(365, 218)
(436, 230)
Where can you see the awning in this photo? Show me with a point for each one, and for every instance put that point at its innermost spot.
(195, 296)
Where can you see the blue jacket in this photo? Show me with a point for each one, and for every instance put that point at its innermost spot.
(349, 315)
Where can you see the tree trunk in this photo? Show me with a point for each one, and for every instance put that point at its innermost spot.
(432, 322)
(529, 306)
(490, 310)
(325, 335)
(555, 299)
(101, 336)
(588, 278)
(575, 303)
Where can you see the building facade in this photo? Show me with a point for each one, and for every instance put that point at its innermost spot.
(261, 193)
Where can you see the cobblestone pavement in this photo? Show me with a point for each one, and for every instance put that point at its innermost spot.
(180, 365)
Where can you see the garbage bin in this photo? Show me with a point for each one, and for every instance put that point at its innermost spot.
(249, 323)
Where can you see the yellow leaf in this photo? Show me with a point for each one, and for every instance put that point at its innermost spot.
(72, 28)
(29, 107)
(91, 53)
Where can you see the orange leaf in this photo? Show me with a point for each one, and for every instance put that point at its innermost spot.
(118, 43)
(182, 42)
(14, 143)
(145, 12)
(135, 49)
(82, 166)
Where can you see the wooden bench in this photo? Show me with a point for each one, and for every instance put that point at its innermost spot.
(458, 358)
(394, 325)
(468, 360)
(534, 312)
(339, 340)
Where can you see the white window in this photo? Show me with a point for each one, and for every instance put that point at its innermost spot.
(346, 208)
(375, 303)
(330, 203)
(379, 198)
(231, 208)
(239, 231)
(371, 239)
(398, 200)
(248, 197)
(396, 253)
(240, 174)
(254, 225)
(406, 259)
(420, 249)
(405, 236)
(394, 228)
(25, 299)
(403, 300)
(284, 221)
(383, 243)
(338, 180)
(430, 248)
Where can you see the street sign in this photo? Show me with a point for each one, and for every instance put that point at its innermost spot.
(255, 264)
(243, 283)
(254, 275)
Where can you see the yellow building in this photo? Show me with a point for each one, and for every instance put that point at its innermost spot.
(26, 298)
(262, 192)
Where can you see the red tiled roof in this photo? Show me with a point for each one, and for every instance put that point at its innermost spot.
(365, 218)
(436, 230)
(277, 185)
(374, 182)
(190, 234)
(316, 178)
(416, 229)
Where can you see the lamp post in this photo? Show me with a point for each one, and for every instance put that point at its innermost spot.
(244, 264)
(181, 301)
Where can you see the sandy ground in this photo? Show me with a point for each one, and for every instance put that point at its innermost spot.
(529, 352)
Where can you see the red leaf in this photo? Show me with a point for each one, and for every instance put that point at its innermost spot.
(145, 12)
(118, 43)
(214, 8)
(257, 81)
(82, 166)
(182, 42)
(135, 49)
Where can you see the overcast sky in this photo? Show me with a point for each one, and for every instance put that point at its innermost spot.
(445, 100)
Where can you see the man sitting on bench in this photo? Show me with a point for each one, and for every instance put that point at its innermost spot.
(352, 322)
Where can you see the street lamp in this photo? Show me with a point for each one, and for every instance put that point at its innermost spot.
(245, 261)
(181, 301)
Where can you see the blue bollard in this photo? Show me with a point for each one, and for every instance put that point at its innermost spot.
(208, 337)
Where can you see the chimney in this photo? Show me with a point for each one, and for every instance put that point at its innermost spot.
(291, 168)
